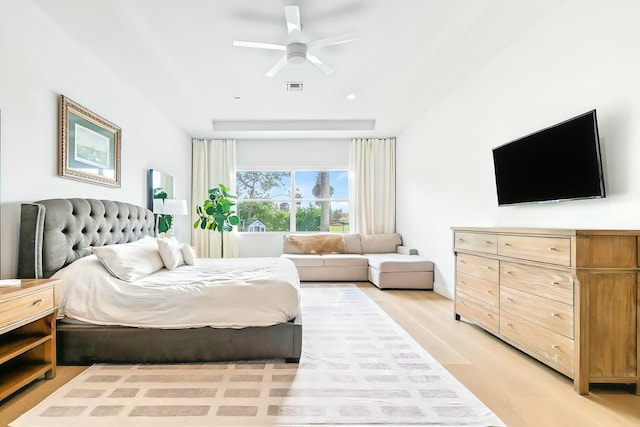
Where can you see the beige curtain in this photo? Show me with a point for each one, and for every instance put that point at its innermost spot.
(372, 185)
(214, 162)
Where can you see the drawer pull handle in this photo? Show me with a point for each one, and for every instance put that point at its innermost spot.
(509, 299)
(555, 283)
(552, 249)
(506, 244)
(460, 239)
(462, 261)
(487, 242)
(490, 292)
(462, 282)
(489, 315)
(555, 315)
(489, 268)
(508, 272)
(555, 347)
(38, 302)
(510, 325)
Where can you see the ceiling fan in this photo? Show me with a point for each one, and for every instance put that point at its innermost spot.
(296, 51)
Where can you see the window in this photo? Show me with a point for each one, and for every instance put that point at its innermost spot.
(293, 201)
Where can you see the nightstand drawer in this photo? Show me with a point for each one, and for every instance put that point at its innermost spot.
(25, 306)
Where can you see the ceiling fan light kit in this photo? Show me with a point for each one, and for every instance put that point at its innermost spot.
(296, 52)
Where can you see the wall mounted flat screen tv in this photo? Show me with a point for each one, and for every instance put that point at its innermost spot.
(561, 162)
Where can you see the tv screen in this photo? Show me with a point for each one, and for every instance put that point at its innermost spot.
(561, 162)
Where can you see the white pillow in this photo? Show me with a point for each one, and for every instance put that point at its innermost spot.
(170, 252)
(188, 254)
(130, 261)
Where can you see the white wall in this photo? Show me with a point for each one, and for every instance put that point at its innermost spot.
(39, 61)
(285, 154)
(581, 56)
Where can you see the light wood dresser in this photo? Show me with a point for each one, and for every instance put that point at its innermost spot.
(27, 333)
(569, 298)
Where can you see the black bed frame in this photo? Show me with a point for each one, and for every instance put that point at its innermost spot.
(56, 232)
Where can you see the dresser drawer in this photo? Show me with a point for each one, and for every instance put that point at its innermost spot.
(485, 315)
(23, 307)
(547, 313)
(485, 268)
(552, 250)
(553, 284)
(481, 242)
(476, 287)
(533, 339)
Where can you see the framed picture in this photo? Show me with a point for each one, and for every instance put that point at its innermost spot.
(88, 145)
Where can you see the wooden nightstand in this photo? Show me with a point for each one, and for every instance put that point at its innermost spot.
(27, 333)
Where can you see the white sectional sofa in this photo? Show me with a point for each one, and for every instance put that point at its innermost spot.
(380, 259)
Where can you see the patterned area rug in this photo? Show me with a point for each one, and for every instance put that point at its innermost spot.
(358, 368)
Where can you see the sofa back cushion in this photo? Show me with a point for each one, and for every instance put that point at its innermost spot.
(288, 247)
(352, 243)
(380, 243)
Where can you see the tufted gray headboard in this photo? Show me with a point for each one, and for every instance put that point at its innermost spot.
(56, 232)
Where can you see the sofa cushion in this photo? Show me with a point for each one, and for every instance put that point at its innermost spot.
(344, 260)
(380, 243)
(386, 263)
(306, 260)
(352, 243)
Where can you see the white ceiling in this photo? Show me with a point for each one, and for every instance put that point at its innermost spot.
(408, 55)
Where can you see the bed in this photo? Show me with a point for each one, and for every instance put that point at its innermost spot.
(61, 238)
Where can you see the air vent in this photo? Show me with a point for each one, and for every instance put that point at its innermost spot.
(294, 86)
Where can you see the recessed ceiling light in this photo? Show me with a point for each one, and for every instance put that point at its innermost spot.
(351, 96)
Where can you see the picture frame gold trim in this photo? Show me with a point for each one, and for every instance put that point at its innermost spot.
(89, 146)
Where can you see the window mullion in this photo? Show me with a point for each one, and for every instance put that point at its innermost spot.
(292, 202)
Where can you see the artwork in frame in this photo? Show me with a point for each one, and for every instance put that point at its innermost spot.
(88, 145)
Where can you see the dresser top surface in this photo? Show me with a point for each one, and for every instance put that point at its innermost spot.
(546, 231)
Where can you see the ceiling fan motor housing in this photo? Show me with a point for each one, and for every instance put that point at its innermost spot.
(296, 53)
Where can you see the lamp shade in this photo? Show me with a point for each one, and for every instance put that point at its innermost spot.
(175, 207)
(158, 206)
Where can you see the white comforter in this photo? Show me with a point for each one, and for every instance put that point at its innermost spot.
(221, 293)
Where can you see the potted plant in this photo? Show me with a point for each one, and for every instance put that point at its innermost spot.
(164, 221)
(216, 213)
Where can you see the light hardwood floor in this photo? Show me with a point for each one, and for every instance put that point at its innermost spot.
(520, 390)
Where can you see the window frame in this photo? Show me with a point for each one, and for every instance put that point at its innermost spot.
(292, 201)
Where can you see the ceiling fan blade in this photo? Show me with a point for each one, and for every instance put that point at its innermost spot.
(333, 40)
(318, 63)
(259, 45)
(292, 14)
(277, 67)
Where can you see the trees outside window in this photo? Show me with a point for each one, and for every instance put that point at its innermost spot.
(288, 201)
